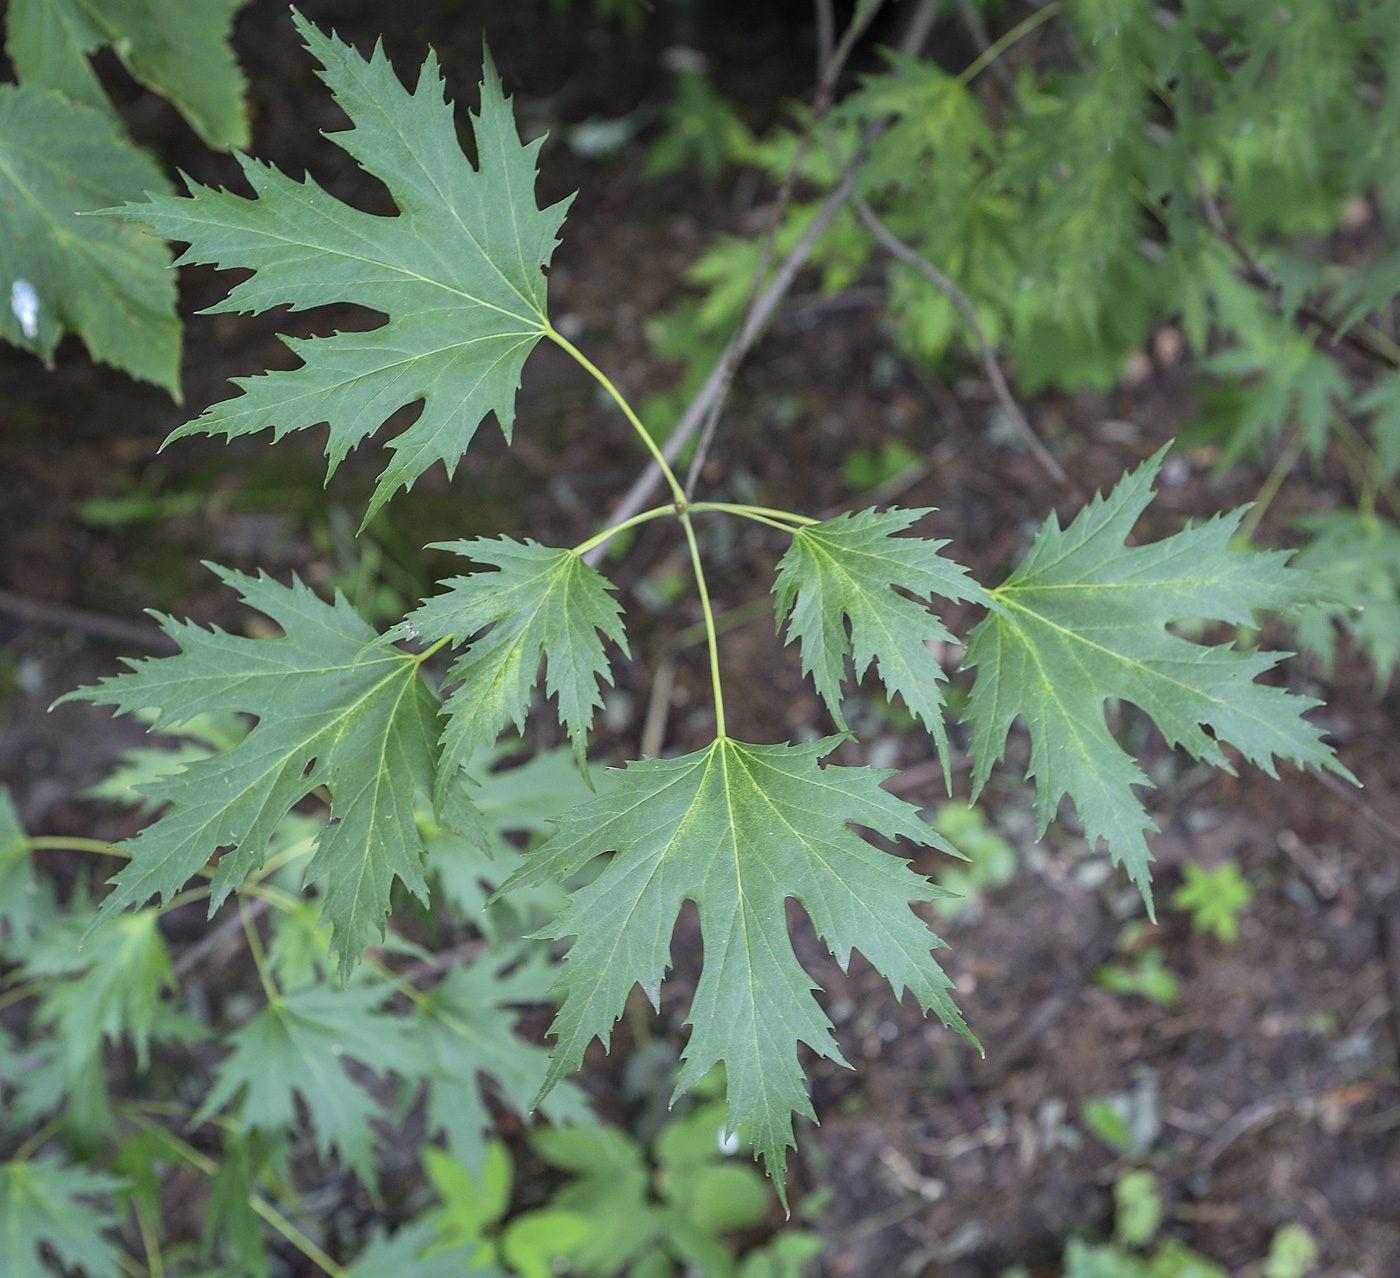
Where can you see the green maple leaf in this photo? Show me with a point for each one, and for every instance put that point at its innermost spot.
(99, 277)
(297, 1046)
(178, 49)
(457, 271)
(738, 829)
(23, 897)
(336, 706)
(43, 1206)
(118, 971)
(541, 602)
(1358, 554)
(847, 568)
(1084, 618)
(462, 1028)
(1214, 897)
(415, 1252)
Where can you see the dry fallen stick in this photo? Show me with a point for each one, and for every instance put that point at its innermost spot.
(65, 617)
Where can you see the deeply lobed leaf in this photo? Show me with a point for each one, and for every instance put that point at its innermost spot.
(298, 1046)
(178, 49)
(337, 706)
(463, 1029)
(43, 1207)
(847, 570)
(541, 603)
(98, 277)
(1084, 618)
(738, 829)
(457, 271)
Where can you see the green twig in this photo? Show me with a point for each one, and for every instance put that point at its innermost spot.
(259, 954)
(599, 538)
(202, 1162)
(605, 382)
(1272, 484)
(150, 1240)
(51, 1128)
(760, 514)
(421, 657)
(710, 635)
(68, 843)
(21, 992)
(1353, 438)
(1000, 46)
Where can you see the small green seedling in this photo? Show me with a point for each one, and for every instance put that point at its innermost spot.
(1216, 898)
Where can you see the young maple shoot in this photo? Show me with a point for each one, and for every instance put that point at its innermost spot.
(736, 828)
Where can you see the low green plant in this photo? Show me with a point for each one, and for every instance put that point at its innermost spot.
(1144, 973)
(1215, 898)
(990, 860)
(531, 1245)
(1138, 1217)
(670, 1212)
(865, 468)
(701, 128)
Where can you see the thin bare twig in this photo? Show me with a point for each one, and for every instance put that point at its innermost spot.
(1347, 793)
(229, 931)
(977, 29)
(912, 257)
(65, 617)
(826, 34)
(826, 88)
(645, 484)
(1361, 337)
(1244, 1120)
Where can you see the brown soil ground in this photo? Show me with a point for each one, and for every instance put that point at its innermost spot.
(1270, 1092)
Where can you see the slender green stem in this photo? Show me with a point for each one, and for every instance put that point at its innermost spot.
(294, 1236)
(1354, 439)
(51, 1128)
(421, 657)
(21, 992)
(759, 514)
(66, 843)
(406, 988)
(762, 514)
(150, 1240)
(196, 1159)
(274, 896)
(599, 538)
(298, 849)
(202, 1162)
(171, 1109)
(1020, 30)
(1272, 484)
(602, 378)
(184, 898)
(259, 954)
(710, 635)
